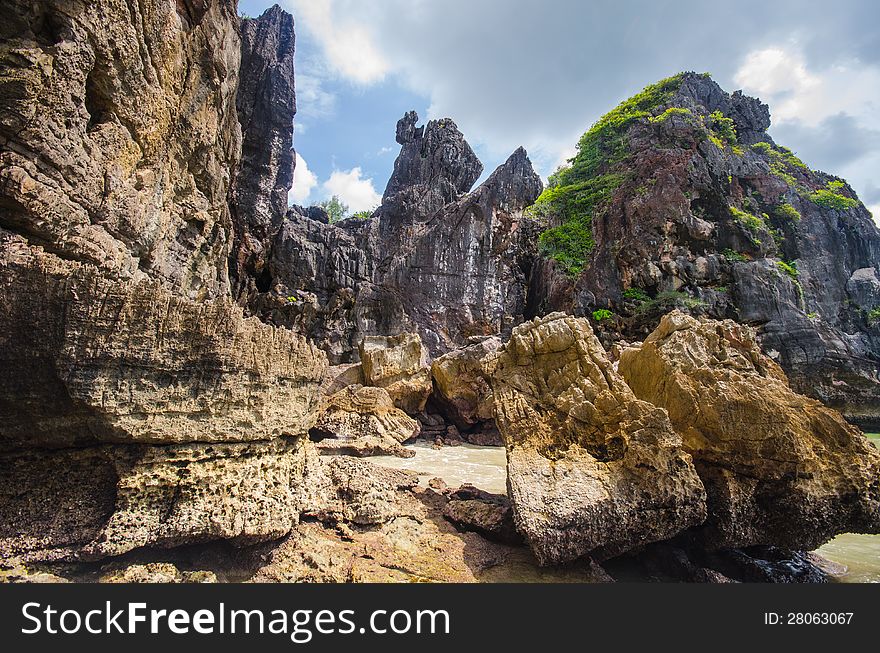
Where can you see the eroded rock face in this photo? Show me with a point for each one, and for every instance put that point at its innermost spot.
(587, 460)
(266, 105)
(779, 468)
(434, 258)
(363, 421)
(120, 136)
(106, 500)
(399, 364)
(88, 359)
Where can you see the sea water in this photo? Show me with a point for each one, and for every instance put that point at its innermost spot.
(485, 467)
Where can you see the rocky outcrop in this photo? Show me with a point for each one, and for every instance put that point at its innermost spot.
(779, 468)
(462, 385)
(490, 515)
(106, 500)
(139, 407)
(698, 208)
(176, 410)
(120, 137)
(433, 258)
(266, 105)
(87, 359)
(586, 459)
(399, 365)
(363, 421)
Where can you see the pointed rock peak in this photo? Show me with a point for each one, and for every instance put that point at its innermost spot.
(750, 115)
(435, 156)
(407, 131)
(515, 182)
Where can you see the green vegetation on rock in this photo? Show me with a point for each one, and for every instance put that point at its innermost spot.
(363, 215)
(722, 132)
(602, 314)
(783, 162)
(669, 299)
(636, 295)
(577, 191)
(671, 111)
(789, 268)
(829, 198)
(751, 222)
(335, 208)
(786, 211)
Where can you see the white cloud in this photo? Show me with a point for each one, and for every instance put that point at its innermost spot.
(304, 180)
(781, 77)
(772, 71)
(512, 72)
(348, 45)
(355, 191)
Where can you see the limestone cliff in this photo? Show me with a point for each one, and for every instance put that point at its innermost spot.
(120, 136)
(138, 405)
(433, 258)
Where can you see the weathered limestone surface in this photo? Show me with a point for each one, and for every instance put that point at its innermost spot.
(462, 385)
(399, 364)
(779, 468)
(363, 421)
(106, 500)
(87, 359)
(588, 462)
(120, 135)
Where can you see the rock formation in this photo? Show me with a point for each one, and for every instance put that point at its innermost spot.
(586, 460)
(399, 365)
(363, 421)
(120, 138)
(433, 258)
(166, 322)
(690, 203)
(779, 468)
(138, 405)
(463, 389)
(266, 105)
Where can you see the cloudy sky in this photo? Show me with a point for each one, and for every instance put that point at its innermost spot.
(539, 73)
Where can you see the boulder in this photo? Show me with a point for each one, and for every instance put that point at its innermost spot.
(587, 460)
(779, 468)
(461, 384)
(362, 421)
(398, 364)
(490, 515)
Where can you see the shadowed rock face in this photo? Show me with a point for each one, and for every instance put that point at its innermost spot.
(779, 468)
(586, 460)
(434, 257)
(266, 104)
(668, 227)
